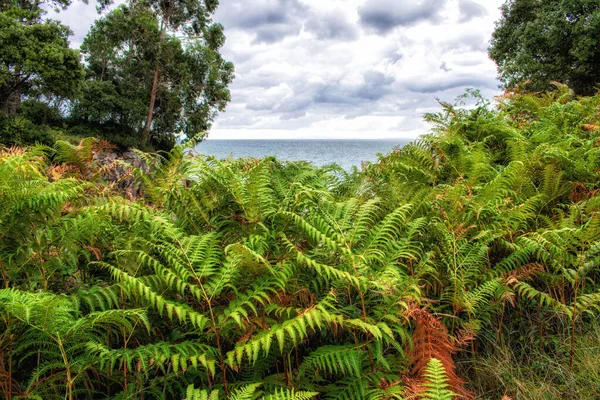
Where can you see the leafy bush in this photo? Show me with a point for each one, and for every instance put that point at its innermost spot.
(18, 130)
(40, 113)
(113, 133)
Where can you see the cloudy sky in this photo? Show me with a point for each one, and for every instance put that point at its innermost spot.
(343, 68)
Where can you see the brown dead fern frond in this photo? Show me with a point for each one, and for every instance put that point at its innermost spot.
(590, 127)
(102, 144)
(432, 340)
(581, 192)
(56, 172)
(462, 229)
(13, 151)
(524, 272)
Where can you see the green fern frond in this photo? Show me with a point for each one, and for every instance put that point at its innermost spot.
(333, 360)
(289, 394)
(436, 382)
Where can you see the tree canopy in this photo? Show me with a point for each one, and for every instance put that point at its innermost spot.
(541, 41)
(152, 73)
(154, 68)
(33, 5)
(35, 60)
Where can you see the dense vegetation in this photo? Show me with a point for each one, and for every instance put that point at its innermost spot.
(539, 41)
(464, 264)
(151, 73)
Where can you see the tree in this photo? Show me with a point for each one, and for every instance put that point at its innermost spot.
(35, 59)
(159, 64)
(542, 41)
(33, 5)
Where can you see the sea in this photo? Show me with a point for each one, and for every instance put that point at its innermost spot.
(346, 153)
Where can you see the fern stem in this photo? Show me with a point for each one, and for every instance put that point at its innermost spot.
(364, 312)
(500, 323)
(285, 370)
(44, 279)
(4, 277)
(541, 326)
(164, 391)
(10, 356)
(208, 300)
(125, 384)
(67, 367)
(573, 318)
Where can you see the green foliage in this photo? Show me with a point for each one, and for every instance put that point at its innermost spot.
(35, 60)
(33, 5)
(249, 392)
(144, 79)
(153, 70)
(266, 279)
(537, 42)
(36, 63)
(16, 130)
(436, 386)
(56, 337)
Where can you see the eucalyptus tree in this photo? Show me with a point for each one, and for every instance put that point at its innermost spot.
(154, 68)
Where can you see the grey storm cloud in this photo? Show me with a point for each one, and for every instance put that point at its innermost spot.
(294, 107)
(312, 79)
(361, 97)
(332, 26)
(236, 120)
(451, 82)
(469, 9)
(334, 93)
(261, 104)
(395, 56)
(375, 86)
(270, 20)
(261, 80)
(275, 33)
(295, 104)
(385, 15)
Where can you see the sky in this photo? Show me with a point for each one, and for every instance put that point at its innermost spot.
(343, 69)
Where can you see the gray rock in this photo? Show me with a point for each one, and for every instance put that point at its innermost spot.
(118, 170)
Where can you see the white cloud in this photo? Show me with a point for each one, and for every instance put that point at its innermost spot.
(344, 68)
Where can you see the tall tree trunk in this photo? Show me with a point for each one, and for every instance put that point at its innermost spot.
(11, 102)
(153, 92)
(163, 26)
(104, 62)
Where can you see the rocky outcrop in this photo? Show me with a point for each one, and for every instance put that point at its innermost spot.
(117, 168)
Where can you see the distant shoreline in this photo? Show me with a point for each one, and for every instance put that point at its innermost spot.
(344, 152)
(309, 139)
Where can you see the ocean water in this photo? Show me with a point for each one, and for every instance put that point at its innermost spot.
(346, 153)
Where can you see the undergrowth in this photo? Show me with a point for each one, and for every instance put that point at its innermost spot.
(464, 265)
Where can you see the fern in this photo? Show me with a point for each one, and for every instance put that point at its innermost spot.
(287, 394)
(436, 382)
(269, 279)
(333, 360)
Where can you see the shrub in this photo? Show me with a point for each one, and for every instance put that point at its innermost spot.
(18, 130)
